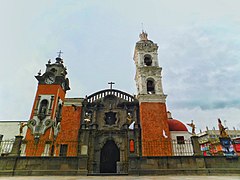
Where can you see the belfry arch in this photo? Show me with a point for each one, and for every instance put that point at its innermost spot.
(150, 86)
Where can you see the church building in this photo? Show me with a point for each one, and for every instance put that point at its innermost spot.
(108, 126)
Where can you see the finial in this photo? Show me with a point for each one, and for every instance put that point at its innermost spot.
(59, 59)
(49, 61)
(59, 54)
(142, 27)
(169, 115)
(143, 36)
(62, 73)
(39, 72)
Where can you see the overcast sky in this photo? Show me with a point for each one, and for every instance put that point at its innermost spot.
(199, 51)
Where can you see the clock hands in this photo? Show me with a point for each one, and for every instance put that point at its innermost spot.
(51, 78)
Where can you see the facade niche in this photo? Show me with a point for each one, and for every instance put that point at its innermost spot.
(43, 109)
(110, 118)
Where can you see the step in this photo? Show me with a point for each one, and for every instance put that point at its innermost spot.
(108, 174)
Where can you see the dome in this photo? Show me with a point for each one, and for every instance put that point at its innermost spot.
(176, 125)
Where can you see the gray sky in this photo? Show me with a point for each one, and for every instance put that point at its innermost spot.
(199, 50)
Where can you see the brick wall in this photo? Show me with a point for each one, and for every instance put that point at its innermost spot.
(32, 148)
(70, 126)
(153, 117)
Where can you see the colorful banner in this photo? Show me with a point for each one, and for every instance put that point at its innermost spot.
(227, 147)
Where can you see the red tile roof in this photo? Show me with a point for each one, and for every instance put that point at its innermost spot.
(176, 125)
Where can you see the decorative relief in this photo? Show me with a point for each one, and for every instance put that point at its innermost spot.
(56, 129)
(129, 118)
(88, 118)
(146, 46)
(39, 127)
(110, 118)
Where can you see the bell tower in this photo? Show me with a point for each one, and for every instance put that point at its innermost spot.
(45, 119)
(153, 114)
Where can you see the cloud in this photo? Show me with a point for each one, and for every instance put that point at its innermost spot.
(198, 49)
(208, 118)
(203, 69)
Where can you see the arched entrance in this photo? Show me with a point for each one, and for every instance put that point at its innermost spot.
(109, 156)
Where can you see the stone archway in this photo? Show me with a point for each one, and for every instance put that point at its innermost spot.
(109, 157)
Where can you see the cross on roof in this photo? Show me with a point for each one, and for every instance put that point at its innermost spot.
(111, 84)
(59, 53)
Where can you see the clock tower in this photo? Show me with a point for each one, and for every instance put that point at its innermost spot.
(45, 119)
(153, 114)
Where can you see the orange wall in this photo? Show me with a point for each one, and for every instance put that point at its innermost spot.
(70, 123)
(53, 89)
(153, 117)
(43, 89)
(70, 126)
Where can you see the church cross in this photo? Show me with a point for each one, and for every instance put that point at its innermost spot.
(142, 28)
(59, 53)
(111, 84)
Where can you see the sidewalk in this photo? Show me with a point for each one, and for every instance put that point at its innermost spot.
(121, 178)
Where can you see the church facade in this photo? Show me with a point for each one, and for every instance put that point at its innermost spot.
(108, 126)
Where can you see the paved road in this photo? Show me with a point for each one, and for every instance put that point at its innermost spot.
(121, 178)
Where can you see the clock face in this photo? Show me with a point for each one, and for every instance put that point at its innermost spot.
(49, 79)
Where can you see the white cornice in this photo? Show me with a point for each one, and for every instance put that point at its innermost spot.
(152, 98)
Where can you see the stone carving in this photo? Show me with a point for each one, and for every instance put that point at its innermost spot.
(129, 118)
(192, 125)
(114, 109)
(31, 124)
(56, 129)
(110, 118)
(88, 118)
(38, 127)
(147, 46)
(22, 125)
(222, 129)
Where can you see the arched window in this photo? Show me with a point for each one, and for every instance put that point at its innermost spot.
(148, 60)
(150, 86)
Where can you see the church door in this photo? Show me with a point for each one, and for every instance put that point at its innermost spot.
(109, 156)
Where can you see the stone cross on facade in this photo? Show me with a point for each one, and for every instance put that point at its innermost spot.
(111, 84)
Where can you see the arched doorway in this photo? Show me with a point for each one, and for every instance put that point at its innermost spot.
(109, 156)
